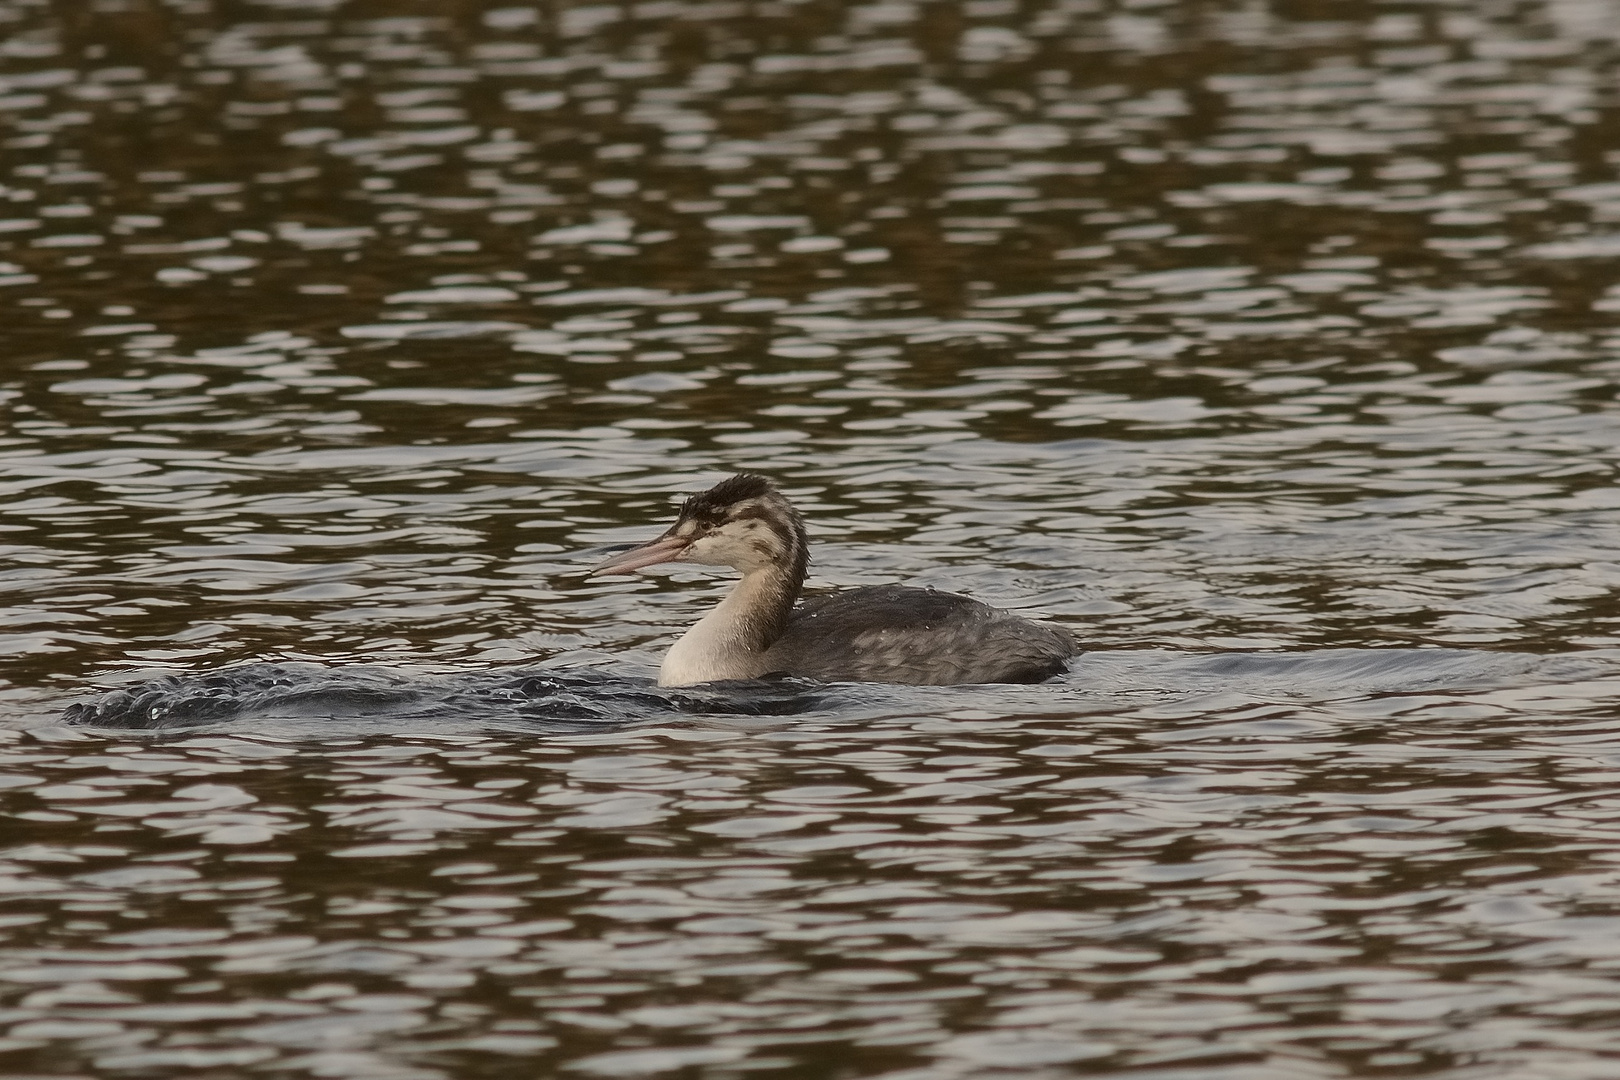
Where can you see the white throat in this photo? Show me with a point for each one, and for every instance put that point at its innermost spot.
(724, 644)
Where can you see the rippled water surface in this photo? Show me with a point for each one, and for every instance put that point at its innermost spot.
(1270, 346)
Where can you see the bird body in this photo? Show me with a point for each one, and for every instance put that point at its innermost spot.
(882, 633)
(921, 637)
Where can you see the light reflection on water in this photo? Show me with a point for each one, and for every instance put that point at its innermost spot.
(1271, 348)
(1223, 875)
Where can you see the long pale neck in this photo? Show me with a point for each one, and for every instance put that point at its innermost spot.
(730, 641)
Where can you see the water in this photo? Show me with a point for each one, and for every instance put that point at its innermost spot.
(1271, 347)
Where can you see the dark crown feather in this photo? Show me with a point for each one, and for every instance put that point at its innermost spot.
(711, 505)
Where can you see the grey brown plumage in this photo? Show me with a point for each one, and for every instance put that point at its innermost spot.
(895, 634)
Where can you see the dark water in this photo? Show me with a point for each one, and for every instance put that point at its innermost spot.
(1270, 346)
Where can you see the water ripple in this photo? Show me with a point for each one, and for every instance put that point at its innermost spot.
(1269, 350)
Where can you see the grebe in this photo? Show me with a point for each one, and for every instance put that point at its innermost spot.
(880, 633)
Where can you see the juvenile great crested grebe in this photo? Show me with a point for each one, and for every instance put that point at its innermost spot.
(880, 633)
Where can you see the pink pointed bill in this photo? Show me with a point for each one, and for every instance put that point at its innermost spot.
(663, 549)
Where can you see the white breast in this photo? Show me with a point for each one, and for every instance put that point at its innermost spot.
(716, 646)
